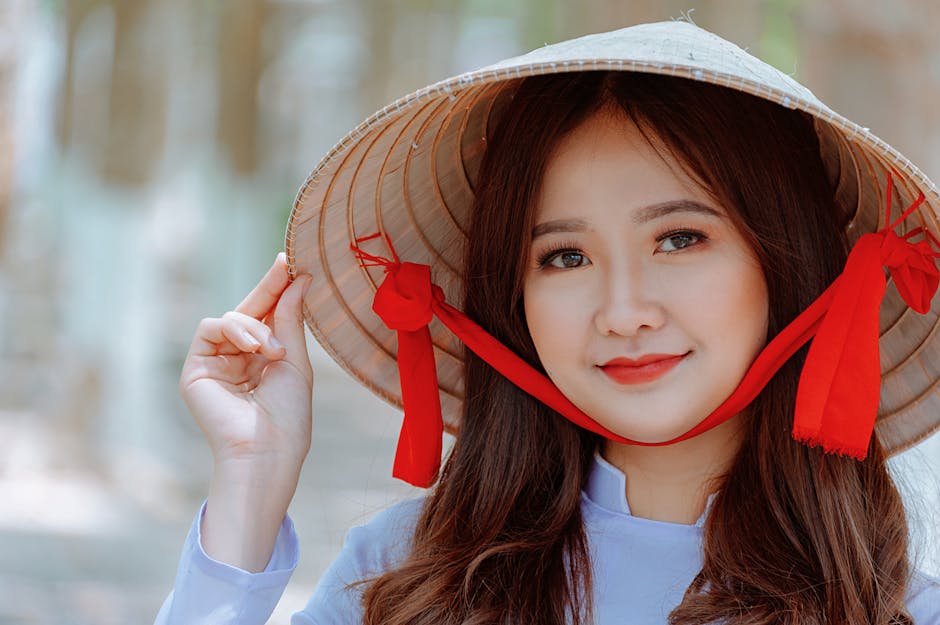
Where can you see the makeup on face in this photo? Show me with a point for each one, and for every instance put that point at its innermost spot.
(645, 304)
(645, 369)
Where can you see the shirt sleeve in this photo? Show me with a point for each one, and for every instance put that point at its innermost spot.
(210, 592)
(368, 550)
(924, 599)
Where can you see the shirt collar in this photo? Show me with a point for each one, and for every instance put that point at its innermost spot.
(607, 487)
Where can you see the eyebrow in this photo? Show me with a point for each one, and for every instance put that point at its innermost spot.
(643, 215)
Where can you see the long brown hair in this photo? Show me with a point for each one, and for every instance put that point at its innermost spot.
(794, 536)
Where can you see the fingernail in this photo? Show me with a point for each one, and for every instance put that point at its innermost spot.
(276, 344)
(250, 338)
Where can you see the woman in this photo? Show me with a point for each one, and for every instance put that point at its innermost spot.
(654, 251)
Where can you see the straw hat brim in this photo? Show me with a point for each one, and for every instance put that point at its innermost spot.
(409, 171)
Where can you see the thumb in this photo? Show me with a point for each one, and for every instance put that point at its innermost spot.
(289, 323)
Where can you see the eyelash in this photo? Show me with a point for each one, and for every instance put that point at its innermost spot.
(699, 236)
(561, 248)
(568, 247)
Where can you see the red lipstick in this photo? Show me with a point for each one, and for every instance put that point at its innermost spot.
(642, 370)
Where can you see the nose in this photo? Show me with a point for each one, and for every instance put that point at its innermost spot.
(629, 304)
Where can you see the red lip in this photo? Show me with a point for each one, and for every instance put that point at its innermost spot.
(642, 370)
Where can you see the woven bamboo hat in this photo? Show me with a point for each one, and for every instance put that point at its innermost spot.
(409, 171)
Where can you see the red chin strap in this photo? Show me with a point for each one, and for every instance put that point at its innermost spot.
(837, 399)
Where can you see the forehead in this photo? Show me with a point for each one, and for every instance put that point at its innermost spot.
(608, 159)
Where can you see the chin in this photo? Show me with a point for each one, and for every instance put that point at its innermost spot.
(648, 432)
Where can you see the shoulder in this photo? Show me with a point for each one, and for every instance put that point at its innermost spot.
(923, 599)
(384, 540)
(398, 518)
(369, 550)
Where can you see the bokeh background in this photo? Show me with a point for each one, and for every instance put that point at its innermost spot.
(149, 154)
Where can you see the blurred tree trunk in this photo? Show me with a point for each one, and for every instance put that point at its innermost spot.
(380, 25)
(75, 13)
(591, 16)
(406, 40)
(8, 52)
(876, 64)
(240, 65)
(138, 95)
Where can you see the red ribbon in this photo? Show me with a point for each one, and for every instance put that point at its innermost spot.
(837, 399)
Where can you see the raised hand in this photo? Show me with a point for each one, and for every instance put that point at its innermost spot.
(247, 381)
(247, 378)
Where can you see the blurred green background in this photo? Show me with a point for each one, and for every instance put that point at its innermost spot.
(149, 154)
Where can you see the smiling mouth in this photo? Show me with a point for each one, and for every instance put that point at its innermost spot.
(643, 370)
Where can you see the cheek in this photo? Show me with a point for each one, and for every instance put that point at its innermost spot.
(752, 299)
(744, 311)
(723, 304)
(551, 318)
(540, 324)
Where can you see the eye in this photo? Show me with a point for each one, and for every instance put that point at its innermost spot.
(563, 259)
(679, 240)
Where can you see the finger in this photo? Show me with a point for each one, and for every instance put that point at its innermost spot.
(210, 340)
(235, 369)
(229, 335)
(261, 336)
(253, 369)
(202, 375)
(264, 296)
(227, 349)
(289, 323)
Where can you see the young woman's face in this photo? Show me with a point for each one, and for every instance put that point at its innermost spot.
(644, 302)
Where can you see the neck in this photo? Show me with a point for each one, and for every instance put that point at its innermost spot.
(672, 483)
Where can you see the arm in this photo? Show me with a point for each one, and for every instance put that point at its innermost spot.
(211, 592)
(250, 394)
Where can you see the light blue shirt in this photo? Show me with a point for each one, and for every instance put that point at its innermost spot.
(641, 567)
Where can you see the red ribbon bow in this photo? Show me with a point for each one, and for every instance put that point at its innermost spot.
(837, 399)
(405, 302)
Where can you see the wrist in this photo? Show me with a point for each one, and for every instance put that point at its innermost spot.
(256, 484)
(272, 462)
(246, 506)
(252, 465)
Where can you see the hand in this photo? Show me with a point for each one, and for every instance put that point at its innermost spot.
(247, 381)
(247, 378)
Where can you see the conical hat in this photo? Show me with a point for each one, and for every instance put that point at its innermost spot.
(410, 169)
